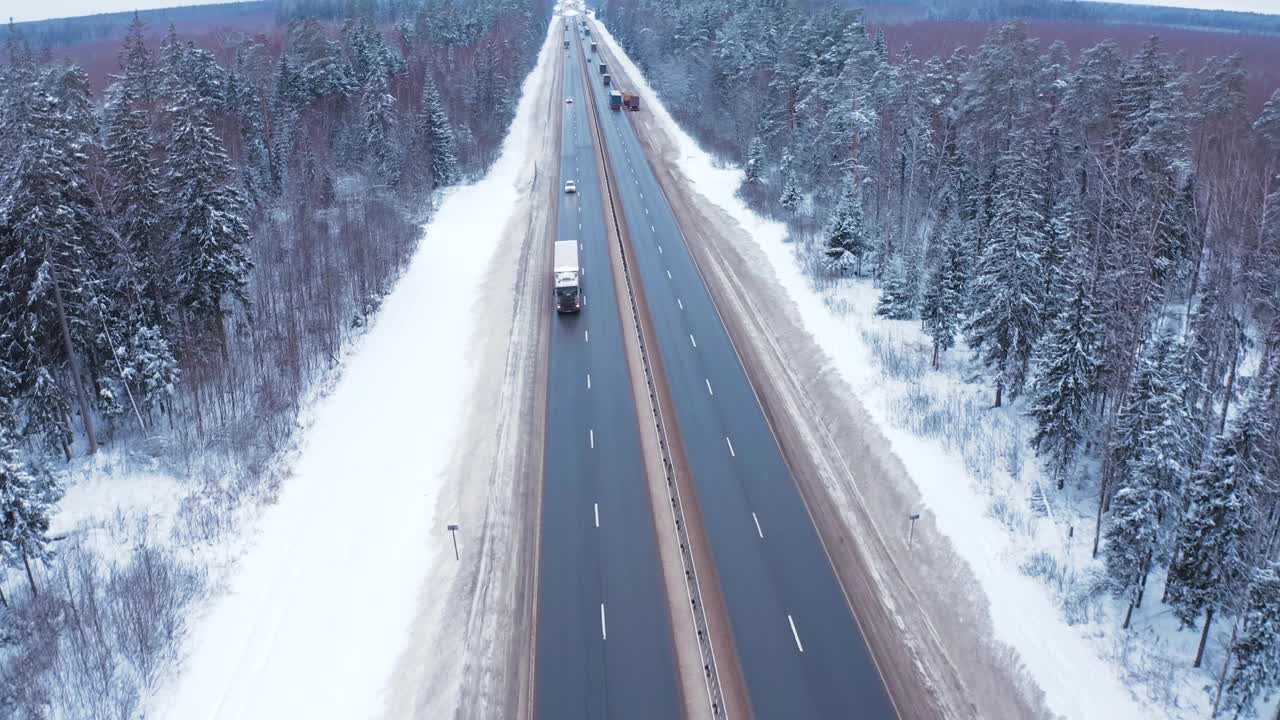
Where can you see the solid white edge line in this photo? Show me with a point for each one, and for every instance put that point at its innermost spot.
(758, 530)
(604, 630)
(730, 444)
(794, 634)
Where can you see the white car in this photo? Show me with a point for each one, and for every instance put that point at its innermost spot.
(571, 187)
(569, 100)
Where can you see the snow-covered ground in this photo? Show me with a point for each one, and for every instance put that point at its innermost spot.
(976, 479)
(318, 609)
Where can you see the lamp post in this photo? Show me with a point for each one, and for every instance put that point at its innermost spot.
(453, 530)
(911, 532)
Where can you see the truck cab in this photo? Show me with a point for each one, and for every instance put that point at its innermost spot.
(567, 273)
(615, 99)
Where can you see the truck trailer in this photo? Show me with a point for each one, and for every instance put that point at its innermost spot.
(608, 79)
(593, 46)
(630, 101)
(604, 68)
(615, 99)
(566, 269)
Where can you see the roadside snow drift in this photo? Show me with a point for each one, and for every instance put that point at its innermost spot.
(318, 608)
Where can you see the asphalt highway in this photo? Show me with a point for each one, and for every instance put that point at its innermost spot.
(604, 645)
(801, 651)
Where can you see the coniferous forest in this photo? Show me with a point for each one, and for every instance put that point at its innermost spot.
(182, 258)
(1099, 229)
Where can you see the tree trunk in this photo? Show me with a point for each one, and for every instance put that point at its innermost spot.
(81, 397)
(1127, 615)
(1097, 525)
(3, 600)
(935, 356)
(999, 392)
(1226, 662)
(1204, 636)
(1231, 386)
(31, 577)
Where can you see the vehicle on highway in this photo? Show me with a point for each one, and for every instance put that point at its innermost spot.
(631, 101)
(570, 187)
(608, 79)
(615, 99)
(604, 68)
(569, 100)
(566, 269)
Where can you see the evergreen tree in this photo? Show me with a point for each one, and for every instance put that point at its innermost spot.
(1257, 647)
(900, 295)
(136, 213)
(435, 138)
(1008, 295)
(26, 502)
(846, 235)
(1214, 551)
(1066, 382)
(944, 297)
(754, 168)
(206, 221)
(379, 130)
(139, 81)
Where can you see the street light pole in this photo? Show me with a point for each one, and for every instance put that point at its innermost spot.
(453, 530)
(911, 533)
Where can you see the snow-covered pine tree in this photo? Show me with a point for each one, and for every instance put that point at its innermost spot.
(1256, 672)
(1155, 426)
(945, 294)
(48, 249)
(846, 235)
(139, 79)
(135, 212)
(1008, 294)
(753, 170)
(1214, 550)
(380, 119)
(1066, 381)
(435, 138)
(26, 501)
(205, 221)
(900, 294)
(790, 198)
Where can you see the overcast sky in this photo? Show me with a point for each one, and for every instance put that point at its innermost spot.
(23, 10)
(1270, 7)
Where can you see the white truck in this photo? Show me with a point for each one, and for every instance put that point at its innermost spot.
(567, 271)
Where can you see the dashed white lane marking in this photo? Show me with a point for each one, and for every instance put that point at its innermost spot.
(794, 634)
(604, 630)
(597, 507)
(680, 303)
(758, 530)
(668, 274)
(729, 442)
(646, 210)
(709, 390)
(586, 335)
(588, 381)
(654, 229)
(579, 227)
(591, 435)
(580, 246)
(695, 342)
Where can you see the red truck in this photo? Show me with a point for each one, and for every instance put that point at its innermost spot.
(631, 101)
